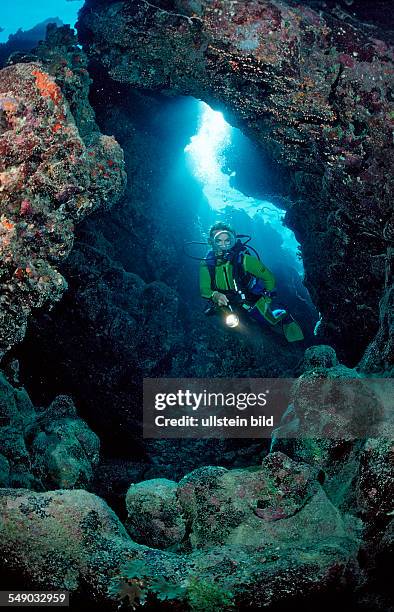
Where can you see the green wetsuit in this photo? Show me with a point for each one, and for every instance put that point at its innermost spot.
(224, 281)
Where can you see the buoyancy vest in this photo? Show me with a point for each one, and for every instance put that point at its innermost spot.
(245, 280)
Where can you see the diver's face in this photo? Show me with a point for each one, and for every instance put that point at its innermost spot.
(222, 242)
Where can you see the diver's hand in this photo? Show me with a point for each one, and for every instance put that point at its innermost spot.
(268, 295)
(219, 298)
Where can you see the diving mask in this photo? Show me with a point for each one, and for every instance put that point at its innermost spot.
(223, 241)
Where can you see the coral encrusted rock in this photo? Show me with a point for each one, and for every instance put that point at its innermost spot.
(333, 416)
(50, 179)
(43, 449)
(60, 539)
(254, 538)
(154, 513)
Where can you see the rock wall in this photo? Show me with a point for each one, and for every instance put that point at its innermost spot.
(52, 175)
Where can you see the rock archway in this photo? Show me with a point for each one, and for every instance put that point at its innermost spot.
(315, 91)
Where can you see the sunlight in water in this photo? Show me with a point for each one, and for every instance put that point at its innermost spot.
(206, 152)
(205, 148)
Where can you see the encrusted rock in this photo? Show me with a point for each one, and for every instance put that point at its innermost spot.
(252, 507)
(60, 539)
(154, 513)
(321, 356)
(44, 449)
(333, 410)
(375, 484)
(49, 180)
(72, 540)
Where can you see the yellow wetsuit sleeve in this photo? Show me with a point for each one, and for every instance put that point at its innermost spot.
(257, 268)
(205, 281)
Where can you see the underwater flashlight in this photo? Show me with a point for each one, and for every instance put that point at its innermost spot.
(232, 320)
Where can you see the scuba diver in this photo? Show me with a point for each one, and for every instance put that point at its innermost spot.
(232, 278)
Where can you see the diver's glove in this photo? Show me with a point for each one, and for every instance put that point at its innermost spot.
(219, 298)
(269, 295)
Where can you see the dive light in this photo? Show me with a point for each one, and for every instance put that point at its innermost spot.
(232, 319)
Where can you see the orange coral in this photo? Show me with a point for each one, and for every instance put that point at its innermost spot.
(7, 224)
(47, 87)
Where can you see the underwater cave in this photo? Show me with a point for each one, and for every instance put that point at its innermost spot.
(123, 142)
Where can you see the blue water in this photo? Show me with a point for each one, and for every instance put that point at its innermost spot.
(25, 14)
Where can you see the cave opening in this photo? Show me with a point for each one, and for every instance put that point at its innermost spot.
(132, 308)
(127, 267)
(211, 153)
(235, 182)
